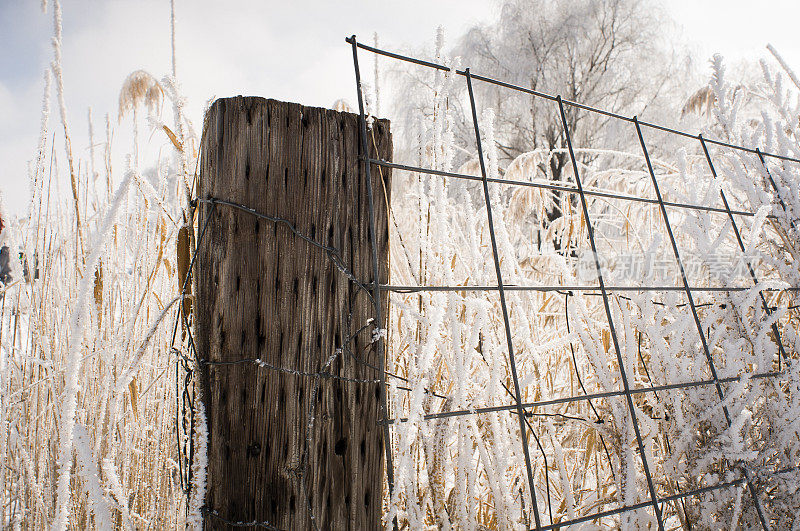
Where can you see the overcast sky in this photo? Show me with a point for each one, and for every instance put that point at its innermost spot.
(292, 51)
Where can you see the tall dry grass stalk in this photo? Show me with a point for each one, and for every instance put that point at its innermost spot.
(87, 370)
(62, 106)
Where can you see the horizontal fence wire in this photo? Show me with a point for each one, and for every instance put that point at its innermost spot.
(562, 188)
(568, 103)
(593, 396)
(666, 499)
(526, 409)
(559, 287)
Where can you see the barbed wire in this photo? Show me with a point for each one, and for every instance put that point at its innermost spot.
(231, 523)
(191, 360)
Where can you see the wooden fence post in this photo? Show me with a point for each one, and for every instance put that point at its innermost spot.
(286, 447)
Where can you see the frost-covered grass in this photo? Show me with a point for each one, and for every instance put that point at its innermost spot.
(90, 391)
(88, 400)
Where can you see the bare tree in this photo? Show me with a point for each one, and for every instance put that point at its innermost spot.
(612, 54)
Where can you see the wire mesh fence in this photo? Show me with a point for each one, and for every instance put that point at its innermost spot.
(694, 296)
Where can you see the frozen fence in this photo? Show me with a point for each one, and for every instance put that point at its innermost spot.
(463, 353)
(541, 503)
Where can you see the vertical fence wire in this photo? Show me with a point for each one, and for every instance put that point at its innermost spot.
(740, 242)
(695, 315)
(774, 186)
(380, 344)
(620, 361)
(509, 344)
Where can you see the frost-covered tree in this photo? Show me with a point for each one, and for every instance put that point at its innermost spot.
(611, 54)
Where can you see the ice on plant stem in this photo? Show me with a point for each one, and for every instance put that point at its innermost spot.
(96, 430)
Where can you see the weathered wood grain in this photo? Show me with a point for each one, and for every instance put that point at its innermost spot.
(279, 452)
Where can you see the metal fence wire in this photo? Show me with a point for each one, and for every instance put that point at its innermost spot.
(602, 288)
